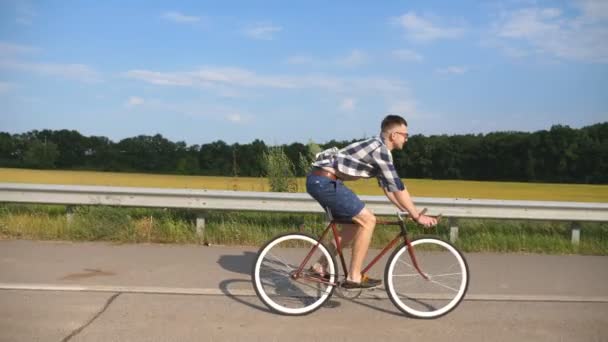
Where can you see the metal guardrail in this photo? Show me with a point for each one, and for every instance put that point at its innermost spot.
(293, 202)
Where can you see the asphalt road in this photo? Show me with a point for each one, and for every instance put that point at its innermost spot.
(58, 291)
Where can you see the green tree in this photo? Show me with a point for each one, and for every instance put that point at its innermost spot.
(148, 153)
(215, 159)
(8, 151)
(250, 158)
(102, 154)
(41, 155)
(71, 144)
(560, 154)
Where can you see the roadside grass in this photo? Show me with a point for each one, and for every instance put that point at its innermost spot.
(142, 225)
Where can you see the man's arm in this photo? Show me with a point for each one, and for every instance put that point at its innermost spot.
(402, 200)
(394, 189)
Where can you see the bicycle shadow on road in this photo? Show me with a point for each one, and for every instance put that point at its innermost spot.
(367, 303)
(249, 300)
(225, 287)
(243, 264)
(238, 263)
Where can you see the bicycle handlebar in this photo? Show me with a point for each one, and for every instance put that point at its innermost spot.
(405, 216)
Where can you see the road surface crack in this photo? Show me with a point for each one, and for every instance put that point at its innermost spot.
(105, 307)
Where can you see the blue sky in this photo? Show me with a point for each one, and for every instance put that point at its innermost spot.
(284, 72)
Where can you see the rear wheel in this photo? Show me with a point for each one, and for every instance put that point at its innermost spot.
(447, 280)
(276, 283)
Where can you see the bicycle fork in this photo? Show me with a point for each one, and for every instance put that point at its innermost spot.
(410, 250)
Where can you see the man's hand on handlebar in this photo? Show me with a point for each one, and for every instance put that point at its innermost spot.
(421, 218)
(426, 221)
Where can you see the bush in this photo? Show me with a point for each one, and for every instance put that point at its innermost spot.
(280, 171)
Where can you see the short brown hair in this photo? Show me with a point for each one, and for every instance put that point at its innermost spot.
(391, 121)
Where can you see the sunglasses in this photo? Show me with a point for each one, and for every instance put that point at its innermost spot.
(405, 135)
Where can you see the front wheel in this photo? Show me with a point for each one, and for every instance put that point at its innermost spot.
(277, 283)
(446, 283)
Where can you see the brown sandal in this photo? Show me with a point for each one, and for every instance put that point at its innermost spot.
(366, 283)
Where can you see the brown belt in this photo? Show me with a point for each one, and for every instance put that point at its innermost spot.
(323, 173)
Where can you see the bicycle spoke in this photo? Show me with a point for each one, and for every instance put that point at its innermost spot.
(445, 283)
(270, 269)
(277, 280)
(312, 287)
(406, 264)
(446, 275)
(440, 284)
(281, 261)
(290, 287)
(275, 267)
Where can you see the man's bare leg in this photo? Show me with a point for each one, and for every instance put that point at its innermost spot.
(366, 222)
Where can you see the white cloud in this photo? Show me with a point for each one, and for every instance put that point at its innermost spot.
(348, 104)
(355, 58)
(180, 18)
(78, 72)
(263, 31)
(161, 78)
(407, 55)
(211, 77)
(9, 49)
(424, 29)
(235, 118)
(135, 101)
(222, 78)
(596, 9)
(530, 22)
(550, 31)
(455, 70)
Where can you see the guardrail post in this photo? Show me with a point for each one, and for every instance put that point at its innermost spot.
(200, 227)
(576, 233)
(69, 213)
(453, 223)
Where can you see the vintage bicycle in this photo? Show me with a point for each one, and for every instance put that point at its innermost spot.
(425, 277)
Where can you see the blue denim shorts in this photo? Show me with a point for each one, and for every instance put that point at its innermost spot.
(341, 201)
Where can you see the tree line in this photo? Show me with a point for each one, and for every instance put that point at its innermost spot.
(560, 154)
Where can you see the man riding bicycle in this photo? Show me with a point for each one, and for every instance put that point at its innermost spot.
(364, 159)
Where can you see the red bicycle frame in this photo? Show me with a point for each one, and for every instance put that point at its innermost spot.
(391, 244)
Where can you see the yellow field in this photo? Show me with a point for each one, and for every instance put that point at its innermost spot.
(417, 187)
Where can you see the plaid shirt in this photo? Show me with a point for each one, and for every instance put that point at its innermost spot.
(366, 159)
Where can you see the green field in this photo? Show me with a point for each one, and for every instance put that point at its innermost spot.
(417, 187)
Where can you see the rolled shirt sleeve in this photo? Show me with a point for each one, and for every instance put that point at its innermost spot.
(387, 174)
